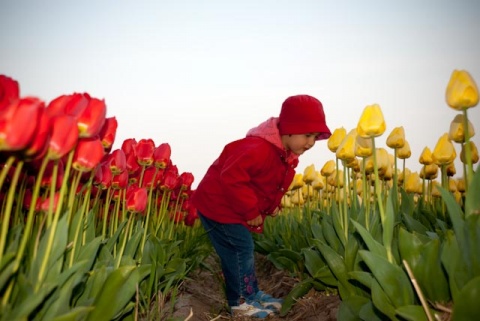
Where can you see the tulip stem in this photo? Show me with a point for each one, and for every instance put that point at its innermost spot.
(468, 152)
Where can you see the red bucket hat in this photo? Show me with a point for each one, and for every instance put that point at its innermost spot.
(303, 114)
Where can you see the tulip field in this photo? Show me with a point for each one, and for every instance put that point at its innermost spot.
(88, 232)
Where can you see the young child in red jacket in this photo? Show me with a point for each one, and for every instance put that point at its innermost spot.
(244, 185)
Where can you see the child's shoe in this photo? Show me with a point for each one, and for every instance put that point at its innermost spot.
(268, 301)
(252, 309)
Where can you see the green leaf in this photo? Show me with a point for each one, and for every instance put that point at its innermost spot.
(369, 313)
(392, 278)
(75, 314)
(299, 290)
(412, 313)
(467, 306)
(110, 292)
(382, 302)
(349, 309)
(410, 247)
(371, 243)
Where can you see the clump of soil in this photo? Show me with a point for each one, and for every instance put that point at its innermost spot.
(202, 298)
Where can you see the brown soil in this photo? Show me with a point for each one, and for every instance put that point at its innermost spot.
(201, 296)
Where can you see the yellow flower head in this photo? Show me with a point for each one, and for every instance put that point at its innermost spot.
(363, 146)
(328, 168)
(413, 183)
(426, 157)
(473, 153)
(297, 182)
(371, 123)
(457, 130)
(309, 174)
(336, 139)
(346, 149)
(444, 152)
(404, 152)
(396, 139)
(462, 91)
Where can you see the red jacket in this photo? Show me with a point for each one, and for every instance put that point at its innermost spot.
(248, 178)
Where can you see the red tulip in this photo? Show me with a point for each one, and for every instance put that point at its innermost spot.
(151, 177)
(45, 205)
(176, 217)
(72, 105)
(144, 152)
(161, 155)
(169, 180)
(108, 132)
(128, 146)
(120, 181)
(117, 161)
(91, 119)
(9, 91)
(186, 180)
(103, 176)
(39, 145)
(88, 154)
(18, 123)
(64, 136)
(47, 178)
(136, 199)
(132, 165)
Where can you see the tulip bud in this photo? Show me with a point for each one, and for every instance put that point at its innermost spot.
(371, 123)
(457, 132)
(309, 174)
(450, 170)
(413, 183)
(319, 182)
(462, 91)
(328, 168)
(396, 139)
(297, 182)
(444, 152)
(336, 139)
(404, 152)
(346, 149)
(363, 146)
(473, 153)
(426, 157)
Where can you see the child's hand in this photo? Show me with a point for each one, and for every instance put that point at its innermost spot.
(256, 221)
(275, 212)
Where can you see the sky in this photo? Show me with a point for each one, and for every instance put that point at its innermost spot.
(199, 74)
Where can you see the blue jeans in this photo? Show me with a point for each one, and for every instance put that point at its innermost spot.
(234, 245)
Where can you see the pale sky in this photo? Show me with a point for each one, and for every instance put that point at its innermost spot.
(199, 74)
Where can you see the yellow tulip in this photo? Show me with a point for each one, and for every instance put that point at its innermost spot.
(371, 123)
(319, 182)
(307, 191)
(412, 183)
(328, 168)
(462, 91)
(297, 197)
(461, 185)
(451, 170)
(353, 164)
(444, 152)
(332, 179)
(429, 171)
(457, 131)
(368, 164)
(452, 185)
(363, 146)
(403, 175)
(426, 157)
(383, 161)
(309, 174)
(396, 139)
(297, 182)
(346, 149)
(473, 153)
(435, 190)
(336, 139)
(404, 152)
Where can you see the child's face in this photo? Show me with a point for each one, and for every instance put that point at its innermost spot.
(300, 143)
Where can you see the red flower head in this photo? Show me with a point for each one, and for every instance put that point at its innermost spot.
(72, 105)
(151, 177)
(120, 181)
(144, 152)
(103, 176)
(88, 154)
(186, 180)
(18, 123)
(108, 132)
(64, 136)
(128, 146)
(169, 180)
(136, 199)
(117, 161)
(47, 178)
(45, 205)
(177, 217)
(133, 167)
(161, 155)
(39, 145)
(9, 91)
(91, 119)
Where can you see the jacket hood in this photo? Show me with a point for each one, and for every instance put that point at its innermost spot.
(268, 130)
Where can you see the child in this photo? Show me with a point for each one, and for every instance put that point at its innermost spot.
(244, 185)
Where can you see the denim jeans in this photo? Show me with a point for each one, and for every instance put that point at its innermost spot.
(234, 245)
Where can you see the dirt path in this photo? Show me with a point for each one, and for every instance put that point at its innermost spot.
(201, 296)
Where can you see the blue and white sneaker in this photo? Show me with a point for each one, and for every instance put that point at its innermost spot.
(252, 309)
(269, 302)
